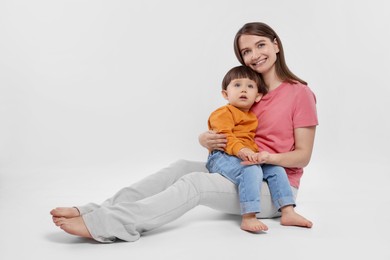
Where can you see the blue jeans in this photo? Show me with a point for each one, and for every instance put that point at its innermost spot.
(248, 178)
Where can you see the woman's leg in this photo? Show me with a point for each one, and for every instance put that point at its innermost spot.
(146, 187)
(149, 185)
(127, 220)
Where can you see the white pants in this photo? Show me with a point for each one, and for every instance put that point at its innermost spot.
(163, 197)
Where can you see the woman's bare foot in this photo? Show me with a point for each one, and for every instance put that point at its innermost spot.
(74, 226)
(252, 224)
(291, 218)
(65, 212)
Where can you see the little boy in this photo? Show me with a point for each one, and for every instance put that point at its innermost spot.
(242, 87)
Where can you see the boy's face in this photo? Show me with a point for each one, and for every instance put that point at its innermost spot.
(242, 93)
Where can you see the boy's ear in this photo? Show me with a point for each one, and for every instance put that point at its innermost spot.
(258, 97)
(224, 94)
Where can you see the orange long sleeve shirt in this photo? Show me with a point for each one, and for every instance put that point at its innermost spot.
(238, 126)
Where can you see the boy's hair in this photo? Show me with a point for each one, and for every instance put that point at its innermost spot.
(240, 72)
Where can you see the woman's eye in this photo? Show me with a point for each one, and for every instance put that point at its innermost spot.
(244, 53)
(260, 45)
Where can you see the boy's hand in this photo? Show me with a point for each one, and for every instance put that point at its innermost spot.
(257, 158)
(246, 154)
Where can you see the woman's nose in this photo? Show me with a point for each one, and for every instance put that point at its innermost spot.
(255, 54)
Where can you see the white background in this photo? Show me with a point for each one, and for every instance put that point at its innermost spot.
(96, 94)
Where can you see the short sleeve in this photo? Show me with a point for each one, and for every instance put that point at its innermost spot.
(305, 113)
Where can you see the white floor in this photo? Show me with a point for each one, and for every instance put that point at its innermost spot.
(348, 206)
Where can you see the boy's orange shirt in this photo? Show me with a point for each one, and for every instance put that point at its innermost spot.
(238, 126)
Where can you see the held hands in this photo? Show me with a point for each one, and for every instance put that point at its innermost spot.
(247, 154)
(254, 158)
(214, 141)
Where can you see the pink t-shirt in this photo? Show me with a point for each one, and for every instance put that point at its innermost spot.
(279, 112)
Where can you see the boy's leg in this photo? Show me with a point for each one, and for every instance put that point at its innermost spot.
(283, 196)
(279, 186)
(249, 188)
(217, 163)
(247, 179)
(249, 193)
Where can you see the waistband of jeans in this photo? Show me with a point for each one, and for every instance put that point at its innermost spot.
(216, 151)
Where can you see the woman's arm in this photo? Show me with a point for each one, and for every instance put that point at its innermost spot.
(300, 157)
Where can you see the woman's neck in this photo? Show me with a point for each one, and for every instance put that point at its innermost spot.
(272, 81)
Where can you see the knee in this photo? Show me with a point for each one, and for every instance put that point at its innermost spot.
(190, 166)
(194, 180)
(182, 163)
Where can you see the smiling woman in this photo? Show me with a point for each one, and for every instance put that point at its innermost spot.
(96, 95)
(286, 136)
(259, 47)
(259, 52)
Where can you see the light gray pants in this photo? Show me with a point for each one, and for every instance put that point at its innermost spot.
(163, 197)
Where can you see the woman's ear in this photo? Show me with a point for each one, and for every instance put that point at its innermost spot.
(276, 44)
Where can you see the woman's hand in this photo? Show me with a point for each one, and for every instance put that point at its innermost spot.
(213, 141)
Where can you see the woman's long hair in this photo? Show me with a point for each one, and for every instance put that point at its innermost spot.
(262, 29)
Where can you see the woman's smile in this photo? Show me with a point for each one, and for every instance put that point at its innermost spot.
(258, 63)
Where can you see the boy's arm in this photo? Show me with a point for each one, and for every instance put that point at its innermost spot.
(222, 122)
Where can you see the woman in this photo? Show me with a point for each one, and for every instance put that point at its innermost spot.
(288, 116)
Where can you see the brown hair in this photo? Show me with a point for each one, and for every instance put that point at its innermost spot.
(262, 29)
(240, 72)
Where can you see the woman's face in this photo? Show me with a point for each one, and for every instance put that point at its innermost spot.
(258, 52)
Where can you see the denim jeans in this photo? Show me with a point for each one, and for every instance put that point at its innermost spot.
(248, 179)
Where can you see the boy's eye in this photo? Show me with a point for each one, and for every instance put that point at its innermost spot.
(250, 86)
(237, 85)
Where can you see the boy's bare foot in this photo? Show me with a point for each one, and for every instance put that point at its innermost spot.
(291, 218)
(65, 212)
(252, 224)
(74, 226)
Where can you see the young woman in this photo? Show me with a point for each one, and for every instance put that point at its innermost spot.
(289, 119)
